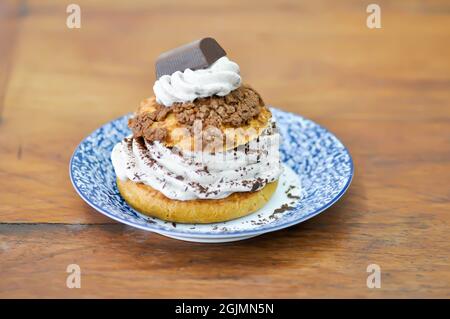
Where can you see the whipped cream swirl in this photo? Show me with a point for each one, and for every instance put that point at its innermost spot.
(199, 175)
(220, 78)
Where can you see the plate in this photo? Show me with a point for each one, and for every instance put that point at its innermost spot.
(318, 169)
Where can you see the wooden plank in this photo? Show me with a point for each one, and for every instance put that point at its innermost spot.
(10, 13)
(320, 258)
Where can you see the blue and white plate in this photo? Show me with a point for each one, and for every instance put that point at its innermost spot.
(318, 170)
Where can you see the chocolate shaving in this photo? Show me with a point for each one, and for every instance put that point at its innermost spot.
(257, 185)
(282, 209)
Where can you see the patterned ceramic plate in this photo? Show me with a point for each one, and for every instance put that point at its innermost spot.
(317, 171)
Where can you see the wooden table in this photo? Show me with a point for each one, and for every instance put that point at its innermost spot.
(384, 92)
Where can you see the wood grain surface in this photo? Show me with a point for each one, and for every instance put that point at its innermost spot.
(384, 92)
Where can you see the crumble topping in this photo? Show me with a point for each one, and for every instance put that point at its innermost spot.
(235, 109)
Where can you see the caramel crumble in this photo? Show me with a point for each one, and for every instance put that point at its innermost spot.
(235, 109)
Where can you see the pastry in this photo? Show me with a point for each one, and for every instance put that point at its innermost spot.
(205, 148)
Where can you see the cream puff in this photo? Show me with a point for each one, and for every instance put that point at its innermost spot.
(203, 149)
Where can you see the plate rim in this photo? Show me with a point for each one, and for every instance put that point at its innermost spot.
(218, 235)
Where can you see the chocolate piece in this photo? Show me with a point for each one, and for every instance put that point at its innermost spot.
(195, 55)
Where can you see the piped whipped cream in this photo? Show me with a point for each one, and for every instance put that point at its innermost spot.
(220, 78)
(199, 175)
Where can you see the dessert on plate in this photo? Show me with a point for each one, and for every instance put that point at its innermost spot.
(205, 147)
